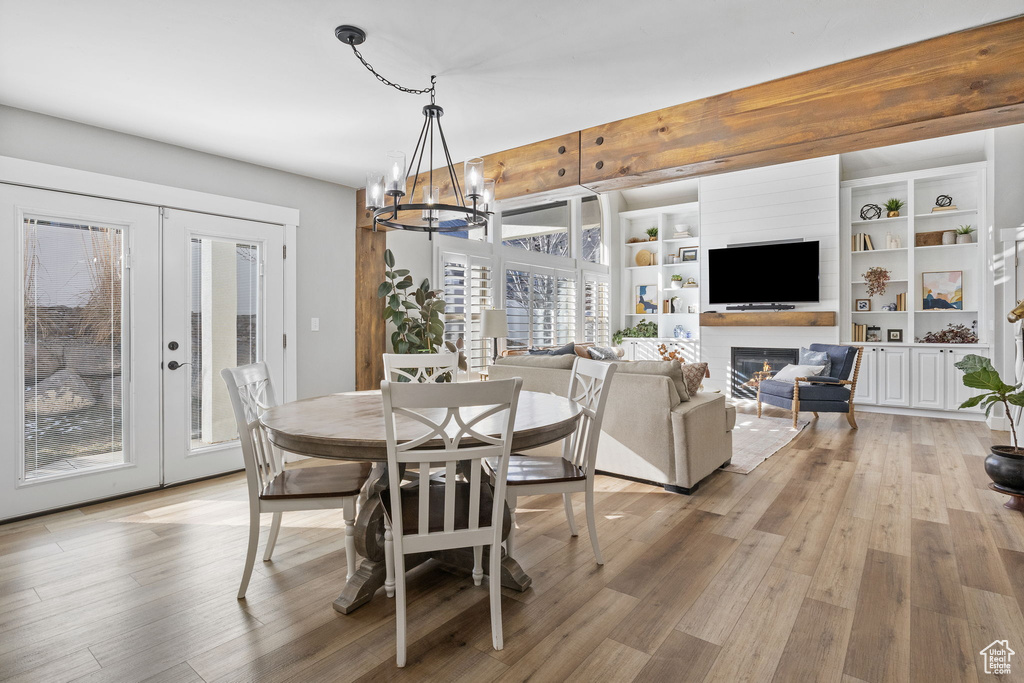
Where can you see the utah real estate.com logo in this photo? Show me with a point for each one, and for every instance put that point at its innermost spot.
(997, 657)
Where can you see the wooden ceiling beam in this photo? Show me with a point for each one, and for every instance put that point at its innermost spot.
(969, 80)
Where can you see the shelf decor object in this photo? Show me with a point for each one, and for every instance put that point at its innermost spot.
(646, 299)
(876, 278)
(944, 203)
(469, 207)
(643, 258)
(893, 206)
(870, 212)
(942, 290)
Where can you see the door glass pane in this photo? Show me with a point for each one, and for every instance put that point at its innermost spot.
(73, 335)
(225, 296)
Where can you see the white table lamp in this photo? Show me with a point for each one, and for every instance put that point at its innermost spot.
(494, 325)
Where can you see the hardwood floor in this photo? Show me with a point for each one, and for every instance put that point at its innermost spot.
(871, 555)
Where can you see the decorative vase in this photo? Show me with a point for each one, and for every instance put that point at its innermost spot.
(675, 284)
(1005, 468)
(949, 237)
(893, 214)
(652, 239)
(964, 239)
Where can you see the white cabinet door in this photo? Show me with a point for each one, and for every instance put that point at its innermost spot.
(928, 378)
(956, 392)
(867, 379)
(893, 376)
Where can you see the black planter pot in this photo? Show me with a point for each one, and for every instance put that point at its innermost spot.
(1006, 469)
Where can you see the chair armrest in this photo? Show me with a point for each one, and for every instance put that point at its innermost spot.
(823, 380)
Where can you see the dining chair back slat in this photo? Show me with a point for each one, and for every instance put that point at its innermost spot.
(252, 393)
(587, 390)
(420, 368)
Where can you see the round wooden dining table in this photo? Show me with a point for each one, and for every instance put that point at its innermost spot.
(350, 426)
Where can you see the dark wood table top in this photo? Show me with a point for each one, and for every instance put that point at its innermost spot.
(350, 426)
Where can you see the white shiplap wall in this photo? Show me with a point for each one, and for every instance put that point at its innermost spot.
(797, 200)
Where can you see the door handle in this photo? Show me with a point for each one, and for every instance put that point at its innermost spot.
(174, 365)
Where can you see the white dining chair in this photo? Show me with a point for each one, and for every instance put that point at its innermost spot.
(459, 511)
(274, 489)
(574, 471)
(421, 367)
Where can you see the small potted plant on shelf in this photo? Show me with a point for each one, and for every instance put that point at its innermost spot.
(676, 282)
(876, 279)
(1004, 464)
(652, 234)
(965, 234)
(893, 207)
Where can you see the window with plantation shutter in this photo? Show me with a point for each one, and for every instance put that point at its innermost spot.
(541, 305)
(467, 291)
(597, 309)
(565, 308)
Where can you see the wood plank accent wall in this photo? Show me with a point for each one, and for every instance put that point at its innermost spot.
(370, 332)
(955, 83)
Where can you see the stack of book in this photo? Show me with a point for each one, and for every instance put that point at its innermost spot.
(862, 242)
(860, 333)
(901, 302)
(951, 207)
(681, 235)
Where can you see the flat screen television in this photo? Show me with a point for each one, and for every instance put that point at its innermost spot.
(764, 274)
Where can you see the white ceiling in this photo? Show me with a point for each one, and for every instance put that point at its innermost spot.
(266, 81)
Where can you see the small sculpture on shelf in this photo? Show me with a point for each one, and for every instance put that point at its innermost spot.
(870, 212)
(944, 203)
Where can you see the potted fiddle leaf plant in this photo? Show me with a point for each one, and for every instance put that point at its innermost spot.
(893, 207)
(416, 313)
(1004, 464)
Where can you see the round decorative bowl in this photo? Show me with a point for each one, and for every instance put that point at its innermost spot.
(1005, 469)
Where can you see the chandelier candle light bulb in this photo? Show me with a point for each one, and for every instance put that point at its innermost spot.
(431, 195)
(374, 190)
(485, 204)
(474, 175)
(395, 165)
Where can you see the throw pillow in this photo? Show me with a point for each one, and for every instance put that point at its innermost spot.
(603, 353)
(693, 375)
(808, 357)
(582, 351)
(791, 372)
(560, 351)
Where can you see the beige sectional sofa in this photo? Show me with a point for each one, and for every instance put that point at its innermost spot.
(649, 433)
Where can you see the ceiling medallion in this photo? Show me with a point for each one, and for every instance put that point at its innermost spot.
(384, 191)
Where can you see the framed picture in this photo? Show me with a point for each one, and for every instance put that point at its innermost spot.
(942, 290)
(894, 336)
(687, 255)
(862, 305)
(647, 299)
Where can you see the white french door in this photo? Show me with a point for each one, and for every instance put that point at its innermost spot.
(116, 323)
(223, 298)
(80, 399)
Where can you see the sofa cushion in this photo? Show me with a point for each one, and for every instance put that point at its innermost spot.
(669, 368)
(808, 392)
(568, 349)
(563, 362)
(693, 375)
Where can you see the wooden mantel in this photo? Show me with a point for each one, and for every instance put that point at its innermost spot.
(964, 81)
(769, 319)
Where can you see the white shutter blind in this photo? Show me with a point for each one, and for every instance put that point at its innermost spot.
(453, 274)
(517, 308)
(565, 308)
(478, 349)
(597, 310)
(542, 310)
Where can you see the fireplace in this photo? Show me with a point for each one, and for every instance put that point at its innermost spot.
(746, 361)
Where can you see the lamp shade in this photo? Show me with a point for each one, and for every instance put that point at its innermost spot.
(493, 323)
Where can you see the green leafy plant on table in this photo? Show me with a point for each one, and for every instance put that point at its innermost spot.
(417, 314)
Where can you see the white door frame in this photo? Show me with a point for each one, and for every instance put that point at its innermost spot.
(50, 177)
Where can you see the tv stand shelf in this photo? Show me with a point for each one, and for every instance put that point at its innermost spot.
(769, 319)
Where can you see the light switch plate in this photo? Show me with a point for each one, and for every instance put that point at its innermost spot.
(314, 324)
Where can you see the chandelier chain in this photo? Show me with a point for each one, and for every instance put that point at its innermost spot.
(401, 88)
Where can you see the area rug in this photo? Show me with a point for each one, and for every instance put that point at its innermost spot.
(755, 439)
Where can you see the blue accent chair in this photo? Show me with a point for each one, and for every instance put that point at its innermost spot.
(832, 394)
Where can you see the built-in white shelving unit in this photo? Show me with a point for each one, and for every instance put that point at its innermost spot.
(658, 278)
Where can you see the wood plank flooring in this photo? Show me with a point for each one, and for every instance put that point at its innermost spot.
(872, 555)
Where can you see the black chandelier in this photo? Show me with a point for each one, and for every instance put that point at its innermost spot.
(384, 191)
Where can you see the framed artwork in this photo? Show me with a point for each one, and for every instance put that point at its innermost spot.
(894, 336)
(862, 305)
(647, 299)
(942, 290)
(687, 255)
